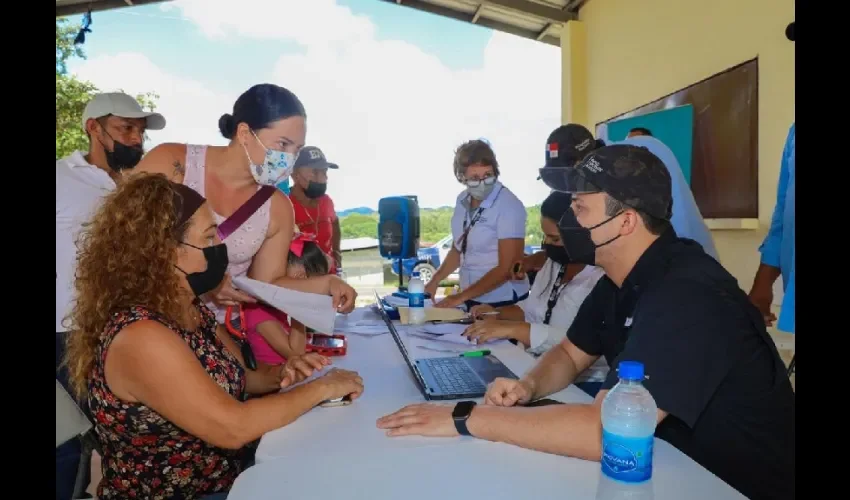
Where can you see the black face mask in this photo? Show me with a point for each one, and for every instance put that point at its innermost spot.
(209, 279)
(122, 156)
(577, 241)
(315, 189)
(556, 253)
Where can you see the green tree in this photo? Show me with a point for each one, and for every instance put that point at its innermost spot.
(434, 224)
(72, 94)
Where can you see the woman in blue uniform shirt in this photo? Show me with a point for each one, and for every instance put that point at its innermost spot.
(488, 229)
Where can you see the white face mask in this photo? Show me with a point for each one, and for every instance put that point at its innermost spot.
(276, 166)
(481, 189)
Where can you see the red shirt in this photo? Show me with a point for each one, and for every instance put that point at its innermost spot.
(318, 222)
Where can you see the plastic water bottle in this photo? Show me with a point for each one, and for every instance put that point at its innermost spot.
(629, 415)
(416, 299)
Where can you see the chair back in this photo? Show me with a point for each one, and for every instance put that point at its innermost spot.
(70, 420)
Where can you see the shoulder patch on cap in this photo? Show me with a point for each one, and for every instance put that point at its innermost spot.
(583, 145)
(552, 149)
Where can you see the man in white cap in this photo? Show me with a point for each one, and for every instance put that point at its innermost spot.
(115, 124)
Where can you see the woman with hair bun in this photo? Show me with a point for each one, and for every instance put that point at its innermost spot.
(266, 130)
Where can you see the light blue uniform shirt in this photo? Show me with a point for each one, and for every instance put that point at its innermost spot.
(777, 250)
(687, 219)
(502, 217)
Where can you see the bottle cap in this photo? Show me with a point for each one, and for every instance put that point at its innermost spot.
(415, 274)
(630, 370)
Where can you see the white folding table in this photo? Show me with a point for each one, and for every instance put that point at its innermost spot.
(339, 453)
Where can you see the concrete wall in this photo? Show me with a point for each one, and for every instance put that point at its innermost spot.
(625, 53)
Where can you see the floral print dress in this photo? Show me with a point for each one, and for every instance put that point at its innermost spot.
(144, 454)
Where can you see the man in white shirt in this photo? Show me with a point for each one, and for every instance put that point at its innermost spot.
(116, 125)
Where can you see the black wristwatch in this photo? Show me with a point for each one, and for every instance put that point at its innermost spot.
(460, 415)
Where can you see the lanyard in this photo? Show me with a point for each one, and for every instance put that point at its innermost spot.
(554, 294)
(467, 227)
(239, 333)
(468, 224)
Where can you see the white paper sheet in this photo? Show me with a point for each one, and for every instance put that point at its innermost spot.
(449, 339)
(312, 310)
(364, 330)
(442, 328)
(441, 348)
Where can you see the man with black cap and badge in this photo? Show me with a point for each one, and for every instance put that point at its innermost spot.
(115, 124)
(722, 394)
(565, 146)
(314, 209)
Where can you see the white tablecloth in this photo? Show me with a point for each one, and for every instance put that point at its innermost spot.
(338, 453)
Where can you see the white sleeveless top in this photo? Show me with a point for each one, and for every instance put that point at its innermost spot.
(243, 243)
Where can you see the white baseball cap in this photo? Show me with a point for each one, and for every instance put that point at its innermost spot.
(123, 105)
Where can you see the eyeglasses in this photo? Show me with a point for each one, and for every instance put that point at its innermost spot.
(488, 180)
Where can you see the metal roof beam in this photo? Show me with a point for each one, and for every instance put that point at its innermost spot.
(482, 21)
(477, 14)
(97, 5)
(551, 14)
(543, 32)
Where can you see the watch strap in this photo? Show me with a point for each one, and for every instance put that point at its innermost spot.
(461, 414)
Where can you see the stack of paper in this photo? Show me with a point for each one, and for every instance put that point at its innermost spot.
(445, 333)
(365, 328)
(433, 314)
(312, 310)
(440, 328)
(397, 301)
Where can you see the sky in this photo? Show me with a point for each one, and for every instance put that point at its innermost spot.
(390, 91)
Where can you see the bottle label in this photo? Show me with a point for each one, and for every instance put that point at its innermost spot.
(627, 459)
(416, 299)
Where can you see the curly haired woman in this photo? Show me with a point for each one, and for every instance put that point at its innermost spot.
(164, 383)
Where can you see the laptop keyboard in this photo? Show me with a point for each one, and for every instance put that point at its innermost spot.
(454, 376)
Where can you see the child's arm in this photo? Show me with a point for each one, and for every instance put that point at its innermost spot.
(278, 339)
(297, 337)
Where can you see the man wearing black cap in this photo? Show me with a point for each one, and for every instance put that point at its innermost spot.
(314, 209)
(565, 146)
(722, 394)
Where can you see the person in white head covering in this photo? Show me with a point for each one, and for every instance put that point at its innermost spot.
(687, 219)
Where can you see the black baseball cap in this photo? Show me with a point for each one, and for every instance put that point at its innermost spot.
(630, 174)
(312, 157)
(565, 146)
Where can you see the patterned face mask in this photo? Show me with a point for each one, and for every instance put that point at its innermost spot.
(276, 166)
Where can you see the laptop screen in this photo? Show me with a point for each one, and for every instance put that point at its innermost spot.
(394, 333)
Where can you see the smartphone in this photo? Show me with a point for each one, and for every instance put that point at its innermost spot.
(331, 403)
(325, 341)
(326, 345)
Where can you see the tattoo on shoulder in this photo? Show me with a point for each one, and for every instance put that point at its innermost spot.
(179, 169)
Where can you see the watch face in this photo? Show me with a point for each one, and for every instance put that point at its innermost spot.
(463, 409)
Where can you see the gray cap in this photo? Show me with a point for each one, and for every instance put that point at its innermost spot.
(123, 105)
(312, 157)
